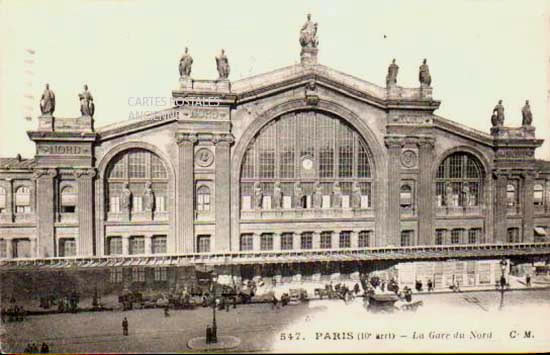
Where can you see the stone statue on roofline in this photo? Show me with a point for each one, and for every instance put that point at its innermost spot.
(87, 106)
(308, 34)
(424, 75)
(186, 62)
(47, 101)
(497, 119)
(222, 64)
(527, 116)
(391, 77)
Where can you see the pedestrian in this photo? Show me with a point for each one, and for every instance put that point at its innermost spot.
(274, 302)
(44, 349)
(430, 285)
(528, 280)
(235, 302)
(356, 288)
(125, 327)
(383, 286)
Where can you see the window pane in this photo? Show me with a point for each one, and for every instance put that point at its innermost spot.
(159, 244)
(287, 240)
(136, 164)
(157, 168)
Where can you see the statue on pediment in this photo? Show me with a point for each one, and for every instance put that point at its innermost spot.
(391, 77)
(308, 34)
(186, 62)
(527, 116)
(222, 64)
(424, 75)
(47, 101)
(87, 106)
(497, 119)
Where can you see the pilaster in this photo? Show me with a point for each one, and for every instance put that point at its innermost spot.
(223, 191)
(394, 180)
(85, 178)
(424, 191)
(45, 211)
(500, 208)
(185, 240)
(528, 207)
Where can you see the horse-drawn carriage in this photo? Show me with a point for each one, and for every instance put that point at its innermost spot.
(381, 303)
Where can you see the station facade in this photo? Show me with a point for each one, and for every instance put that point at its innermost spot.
(298, 159)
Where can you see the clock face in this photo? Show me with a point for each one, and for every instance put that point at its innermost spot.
(307, 163)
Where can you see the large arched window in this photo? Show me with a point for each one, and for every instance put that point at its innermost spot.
(306, 160)
(459, 181)
(145, 176)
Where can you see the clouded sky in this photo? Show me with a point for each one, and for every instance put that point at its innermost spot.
(479, 51)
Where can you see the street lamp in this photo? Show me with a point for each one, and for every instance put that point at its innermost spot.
(214, 335)
(503, 265)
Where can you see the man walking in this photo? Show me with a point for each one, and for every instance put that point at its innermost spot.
(125, 327)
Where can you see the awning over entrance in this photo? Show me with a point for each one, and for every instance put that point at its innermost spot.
(540, 232)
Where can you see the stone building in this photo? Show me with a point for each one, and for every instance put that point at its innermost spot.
(301, 173)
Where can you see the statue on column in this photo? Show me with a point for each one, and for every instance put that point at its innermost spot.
(87, 106)
(47, 101)
(149, 197)
(467, 195)
(449, 195)
(258, 195)
(277, 195)
(356, 195)
(391, 78)
(298, 195)
(185, 64)
(318, 196)
(308, 34)
(336, 195)
(497, 119)
(222, 64)
(424, 75)
(126, 200)
(526, 114)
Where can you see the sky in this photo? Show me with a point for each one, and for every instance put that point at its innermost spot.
(479, 51)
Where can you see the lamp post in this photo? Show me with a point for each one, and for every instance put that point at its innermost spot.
(503, 265)
(214, 334)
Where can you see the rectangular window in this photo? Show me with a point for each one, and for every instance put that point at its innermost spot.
(474, 235)
(326, 240)
(137, 245)
(345, 151)
(287, 202)
(115, 246)
(247, 242)
(513, 235)
(439, 236)
(287, 241)
(161, 274)
(21, 248)
(67, 247)
(364, 239)
(114, 205)
(159, 244)
(3, 248)
(23, 209)
(116, 275)
(406, 238)
(138, 274)
(306, 240)
(345, 240)
(456, 236)
(203, 242)
(160, 204)
(266, 241)
(246, 203)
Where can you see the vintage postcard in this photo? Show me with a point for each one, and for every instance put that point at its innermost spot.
(274, 177)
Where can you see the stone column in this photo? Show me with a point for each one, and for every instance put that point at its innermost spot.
(10, 200)
(316, 243)
(223, 191)
(394, 173)
(424, 191)
(45, 211)
(148, 243)
(125, 245)
(185, 235)
(9, 248)
(276, 241)
(528, 208)
(499, 226)
(85, 211)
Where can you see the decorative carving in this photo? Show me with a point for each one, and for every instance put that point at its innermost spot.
(424, 75)
(298, 195)
(149, 198)
(308, 34)
(336, 195)
(356, 195)
(317, 196)
(391, 77)
(277, 196)
(126, 200)
(311, 95)
(186, 62)
(258, 195)
(222, 64)
(204, 157)
(426, 142)
(409, 158)
(87, 107)
(47, 101)
(38, 173)
(186, 137)
(223, 138)
(394, 142)
(78, 173)
(516, 153)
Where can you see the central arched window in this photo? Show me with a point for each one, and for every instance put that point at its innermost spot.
(306, 160)
(141, 172)
(459, 181)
